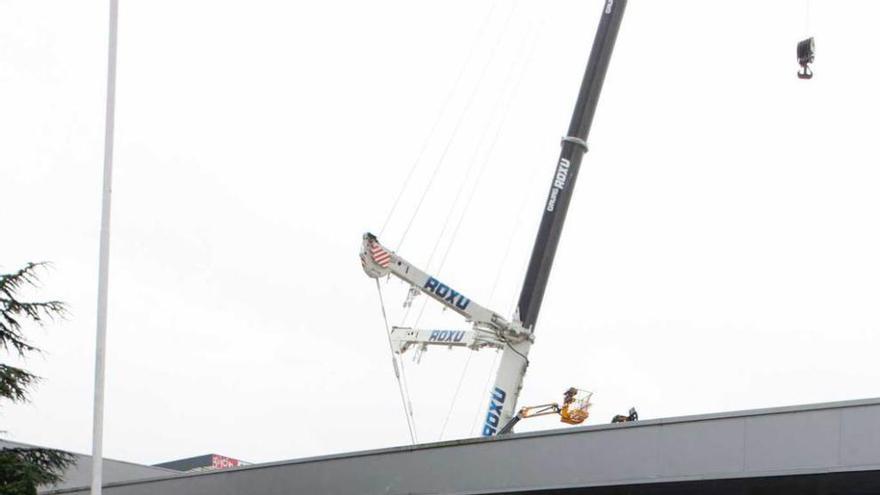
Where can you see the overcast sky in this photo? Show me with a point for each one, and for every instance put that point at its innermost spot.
(720, 251)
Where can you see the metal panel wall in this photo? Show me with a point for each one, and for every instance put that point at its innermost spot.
(821, 438)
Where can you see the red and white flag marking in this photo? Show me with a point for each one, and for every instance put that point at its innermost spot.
(380, 256)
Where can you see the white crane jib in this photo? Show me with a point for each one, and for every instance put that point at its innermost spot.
(488, 327)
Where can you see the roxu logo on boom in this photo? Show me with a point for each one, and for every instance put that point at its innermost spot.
(446, 293)
(446, 336)
(493, 417)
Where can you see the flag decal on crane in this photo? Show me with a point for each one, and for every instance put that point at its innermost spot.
(380, 256)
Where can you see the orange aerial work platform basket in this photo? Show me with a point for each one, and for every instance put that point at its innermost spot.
(576, 406)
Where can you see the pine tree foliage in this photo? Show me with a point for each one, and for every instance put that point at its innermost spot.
(13, 310)
(22, 470)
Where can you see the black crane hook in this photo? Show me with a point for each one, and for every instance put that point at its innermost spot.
(806, 53)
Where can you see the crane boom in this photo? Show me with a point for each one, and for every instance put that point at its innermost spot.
(514, 359)
(490, 329)
(379, 261)
(573, 149)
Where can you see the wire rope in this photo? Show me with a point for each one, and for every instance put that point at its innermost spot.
(424, 194)
(509, 77)
(404, 397)
(455, 395)
(807, 7)
(510, 238)
(455, 200)
(455, 129)
(399, 369)
(516, 85)
(480, 32)
(479, 177)
(409, 401)
(494, 142)
(516, 225)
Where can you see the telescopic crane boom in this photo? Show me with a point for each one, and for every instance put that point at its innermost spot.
(514, 360)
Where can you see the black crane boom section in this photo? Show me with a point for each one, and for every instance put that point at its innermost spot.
(574, 147)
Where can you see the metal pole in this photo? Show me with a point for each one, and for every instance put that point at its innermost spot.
(104, 259)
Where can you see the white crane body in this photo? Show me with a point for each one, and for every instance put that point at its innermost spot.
(490, 329)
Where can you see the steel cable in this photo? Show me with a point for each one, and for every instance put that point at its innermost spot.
(513, 94)
(455, 129)
(404, 396)
(480, 32)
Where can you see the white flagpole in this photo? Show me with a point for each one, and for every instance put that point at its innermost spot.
(104, 259)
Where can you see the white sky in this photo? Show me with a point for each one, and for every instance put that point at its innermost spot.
(720, 252)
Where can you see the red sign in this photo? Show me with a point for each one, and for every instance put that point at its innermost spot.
(223, 462)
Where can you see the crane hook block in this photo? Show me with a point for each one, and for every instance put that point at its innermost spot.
(806, 53)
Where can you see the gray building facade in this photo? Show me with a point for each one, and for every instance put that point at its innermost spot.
(819, 448)
(80, 473)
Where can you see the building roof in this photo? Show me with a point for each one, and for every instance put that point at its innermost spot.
(812, 440)
(80, 474)
(189, 463)
(202, 463)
